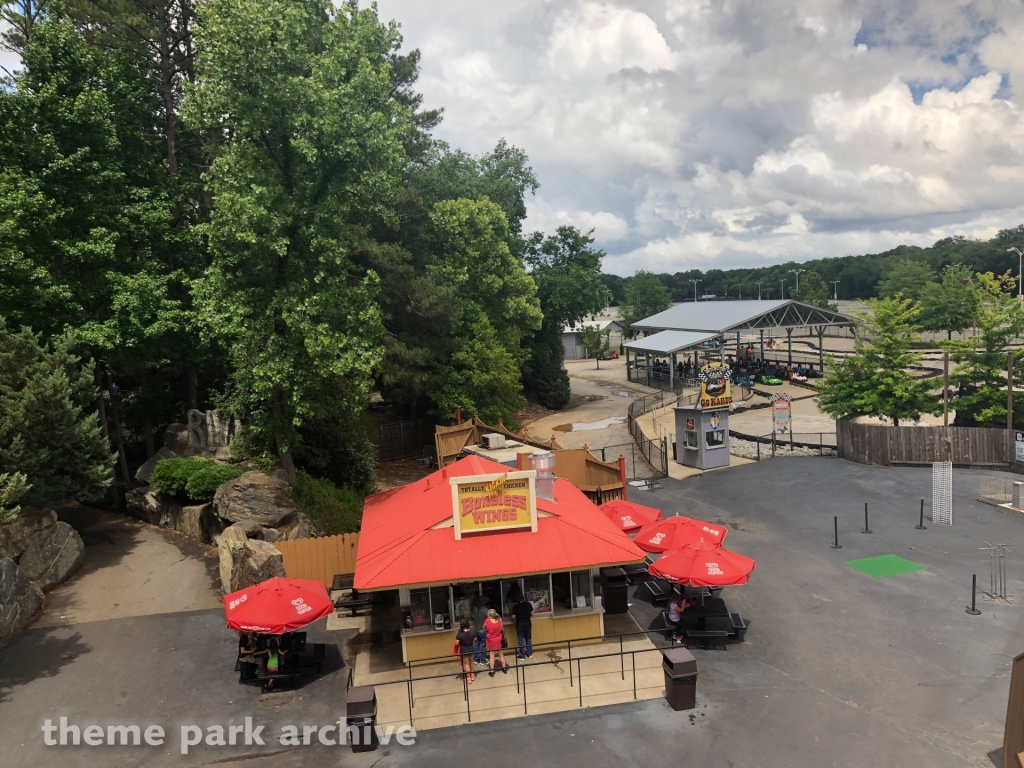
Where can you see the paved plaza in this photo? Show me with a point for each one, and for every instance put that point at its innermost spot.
(840, 667)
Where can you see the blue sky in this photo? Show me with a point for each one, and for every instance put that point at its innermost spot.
(699, 133)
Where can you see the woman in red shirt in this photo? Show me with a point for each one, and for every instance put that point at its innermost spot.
(495, 630)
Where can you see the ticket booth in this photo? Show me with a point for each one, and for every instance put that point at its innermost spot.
(702, 429)
(702, 437)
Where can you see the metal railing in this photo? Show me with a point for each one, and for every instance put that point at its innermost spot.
(774, 444)
(654, 451)
(637, 465)
(575, 679)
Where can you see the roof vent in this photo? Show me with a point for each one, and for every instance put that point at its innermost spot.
(543, 463)
(493, 441)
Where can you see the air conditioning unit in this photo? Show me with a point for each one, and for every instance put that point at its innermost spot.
(493, 441)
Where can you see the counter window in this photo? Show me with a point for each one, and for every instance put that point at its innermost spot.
(691, 440)
(439, 606)
(581, 593)
(417, 615)
(715, 438)
(538, 591)
(462, 601)
(510, 591)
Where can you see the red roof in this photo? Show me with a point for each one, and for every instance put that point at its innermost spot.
(399, 545)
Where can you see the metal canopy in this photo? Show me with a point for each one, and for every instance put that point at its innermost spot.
(669, 342)
(718, 317)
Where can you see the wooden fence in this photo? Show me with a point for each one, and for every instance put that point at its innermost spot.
(893, 446)
(320, 559)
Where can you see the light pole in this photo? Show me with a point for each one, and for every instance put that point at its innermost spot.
(782, 287)
(740, 286)
(835, 290)
(797, 273)
(1020, 272)
(758, 291)
(695, 287)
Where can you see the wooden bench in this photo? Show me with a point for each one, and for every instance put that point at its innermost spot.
(739, 626)
(352, 605)
(660, 591)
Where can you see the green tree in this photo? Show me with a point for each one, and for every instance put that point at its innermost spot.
(567, 271)
(905, 277)
(497, 308)
(875, 380)
(596, 342)
(307, 148)
(48, 428)
(950, 305)
(644, 295)
(813, 290)
(12, 488)
(980, 375)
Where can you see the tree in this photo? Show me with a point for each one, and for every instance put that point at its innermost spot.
(905, 277)
(496, 302)
(48, 430)
(813, 291)
(980, 375)
(875, 380)
(950, 305)
(307, 147)
(595, 341)
(21, 17)
(569, 287)
(12, 488)
(644, 295)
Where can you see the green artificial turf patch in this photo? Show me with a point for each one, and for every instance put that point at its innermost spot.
(884, 565)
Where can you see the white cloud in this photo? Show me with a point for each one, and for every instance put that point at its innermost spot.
(697, 133)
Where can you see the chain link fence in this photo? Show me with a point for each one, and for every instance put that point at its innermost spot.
(996, 490)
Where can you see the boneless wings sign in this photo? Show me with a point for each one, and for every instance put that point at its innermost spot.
(493, 502)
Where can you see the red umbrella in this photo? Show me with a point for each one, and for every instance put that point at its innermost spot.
(675, 532)
(703, 565)
(277, 605)
(629, 516)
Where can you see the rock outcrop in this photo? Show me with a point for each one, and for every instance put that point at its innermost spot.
(148, 504)
(209, 434)
(19, 598)
(245, 561)
(146, 470)
(257, 496)
(37, 552)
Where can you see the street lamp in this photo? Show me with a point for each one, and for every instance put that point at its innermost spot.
(695, 287)
(1020, 271)
(797, 273)
(740, 286)
(782, 287)
(835, 290)
(758, 291)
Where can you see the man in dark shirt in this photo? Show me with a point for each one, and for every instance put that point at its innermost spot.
(522, 611)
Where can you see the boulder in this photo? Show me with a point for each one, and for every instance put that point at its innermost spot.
(176, 438)
(209, 434)
(292, 528)
(252, 529)
(257, 496)
(148, 504)
(15, 537)
(146, 470)
(19, 598)
(245, 561)
(53, 554)
(196, 522)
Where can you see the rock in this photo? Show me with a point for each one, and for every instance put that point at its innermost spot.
(176, 438)
(252, 529)
(19, 598)
(293, 528)
(146, 470)
(257, 496)
(209, 433)
(148, 504)
(52, 556)
(195, 522)
(245, 561)
(15, 537)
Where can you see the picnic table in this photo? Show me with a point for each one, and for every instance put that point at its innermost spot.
(293, 666)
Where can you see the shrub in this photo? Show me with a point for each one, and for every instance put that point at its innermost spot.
(336, 509)
(195, 479)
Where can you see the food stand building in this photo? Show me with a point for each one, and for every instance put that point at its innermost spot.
(476, 532)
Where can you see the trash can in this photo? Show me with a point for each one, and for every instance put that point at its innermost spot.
(680, 669)
(362, 713)
(614, 590)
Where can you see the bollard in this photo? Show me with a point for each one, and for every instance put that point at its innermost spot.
(867, 528)
(974, 593)
(836, 544)
(921, 526)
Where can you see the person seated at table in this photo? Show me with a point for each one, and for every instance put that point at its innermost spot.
(676, 606)
(272, 656)
(249, 644)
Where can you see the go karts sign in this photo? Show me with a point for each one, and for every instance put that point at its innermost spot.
(715, 379)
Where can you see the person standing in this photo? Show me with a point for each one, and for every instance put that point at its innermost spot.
(523, 612)
(495, 641)
(675, 616)
(466, 637)
(479, 617)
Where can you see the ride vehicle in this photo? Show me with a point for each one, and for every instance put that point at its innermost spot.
(766, 379)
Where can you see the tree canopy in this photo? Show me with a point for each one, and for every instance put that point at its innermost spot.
(643, 296)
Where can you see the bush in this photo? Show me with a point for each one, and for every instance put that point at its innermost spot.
(195, 479)
(338, 510)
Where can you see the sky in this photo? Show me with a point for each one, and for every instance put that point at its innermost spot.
(723, 133)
